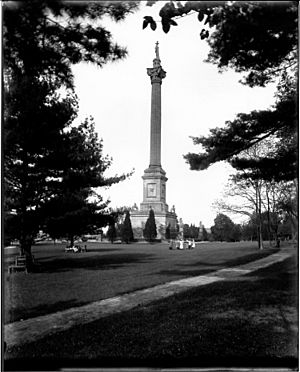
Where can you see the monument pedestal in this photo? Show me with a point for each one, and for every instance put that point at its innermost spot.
(138, 221)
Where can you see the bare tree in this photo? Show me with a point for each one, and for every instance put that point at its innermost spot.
(248, 193)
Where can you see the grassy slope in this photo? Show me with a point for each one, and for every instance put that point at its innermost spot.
(64, 280)
(250, 321)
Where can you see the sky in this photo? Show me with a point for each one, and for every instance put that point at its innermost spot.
(195, 98)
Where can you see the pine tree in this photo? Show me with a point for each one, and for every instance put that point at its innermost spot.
(150, 231)
(41, 42)
(223, 228)
(72, 212)
(168, 232)
(127, 233)
(111, 233)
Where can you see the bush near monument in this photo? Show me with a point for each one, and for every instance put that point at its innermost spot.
(126, 232)
(225, 229)
(111, 233)
(168, 232)
(150, 232)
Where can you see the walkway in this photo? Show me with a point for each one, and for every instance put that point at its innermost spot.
(36, 328)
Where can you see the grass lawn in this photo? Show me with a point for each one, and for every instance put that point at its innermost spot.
(249, 321)
(64, 280)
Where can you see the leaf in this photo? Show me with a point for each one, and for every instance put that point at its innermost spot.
(145, 24)
(173, 23)
(204, 34)
(207, 19)
(151, 2)
(166, 25)
(148, 18)
(200, 16)
(153, 25)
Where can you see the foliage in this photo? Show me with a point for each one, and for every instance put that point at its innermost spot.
(44, 38)
(258, 37)
(126, 232)
(71, 213)
(190, 231)
(224, 229)
(278, 123)
(111, 232)
(168, 232)
(204, 236)
(248, 130)
(41, 41)
(249, 229)
(248, 193)
(150, 231)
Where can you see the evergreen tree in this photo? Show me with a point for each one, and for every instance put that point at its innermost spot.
(194, 231)
(223, 228)
(168, 232)
(127, 233)
(150, 232)
(186, 231)
(72, 212)
(204, 234)
(252, 37)
(111, 233)
(41, 41)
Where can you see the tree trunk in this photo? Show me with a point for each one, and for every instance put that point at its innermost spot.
(258, 215)
(25, 246)
(269, 218)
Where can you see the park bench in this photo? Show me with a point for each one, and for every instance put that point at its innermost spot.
(19, 265)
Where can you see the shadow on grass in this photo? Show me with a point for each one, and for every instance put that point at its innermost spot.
(74, 255)
(186, 273)
(24, 313)
(216, 266)
(100, 250)
(220, 363)
(79, 261)
(226, 324)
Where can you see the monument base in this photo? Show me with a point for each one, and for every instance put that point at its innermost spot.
(163, 219)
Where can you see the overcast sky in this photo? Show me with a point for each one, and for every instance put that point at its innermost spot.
(195, 98)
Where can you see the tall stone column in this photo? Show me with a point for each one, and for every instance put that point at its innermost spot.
(154, 178)
(156, 74)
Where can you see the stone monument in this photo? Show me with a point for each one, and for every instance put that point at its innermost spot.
(201, 231)
(154, 178)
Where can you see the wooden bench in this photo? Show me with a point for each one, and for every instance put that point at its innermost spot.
(19, 265)
(13, 268)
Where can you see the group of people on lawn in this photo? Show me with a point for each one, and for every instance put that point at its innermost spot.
(182, 244)
(76, 249)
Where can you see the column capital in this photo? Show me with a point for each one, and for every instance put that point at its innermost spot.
(156, 74)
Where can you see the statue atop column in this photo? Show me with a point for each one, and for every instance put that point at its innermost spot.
(156, 73)
(157, 51)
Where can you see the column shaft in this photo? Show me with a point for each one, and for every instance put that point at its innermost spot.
(155, 135)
